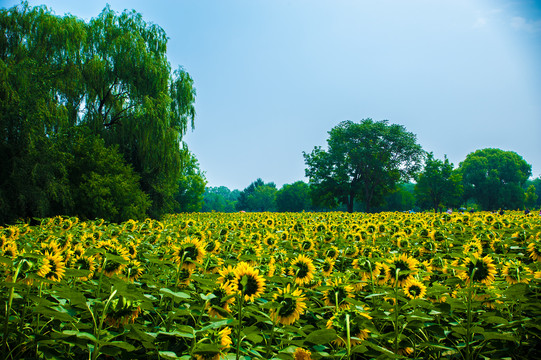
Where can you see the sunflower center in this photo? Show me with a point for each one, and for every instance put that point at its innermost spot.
(252, 286)
(414, 290)
(303, 270)
(287, 306)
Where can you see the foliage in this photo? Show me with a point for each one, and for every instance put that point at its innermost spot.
(530, 197)
(438, 184)
(111, 76)
(191, 187)
(402, 199)
(294, 197)
(273, 286)
(219, 199)
(494, 178)
(102, 184)
(258, 196)
(537, 186)
(364, 161)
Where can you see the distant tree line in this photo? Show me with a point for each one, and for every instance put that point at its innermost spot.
(92, 118)
(377, 166)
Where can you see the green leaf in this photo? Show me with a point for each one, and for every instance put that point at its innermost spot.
(120, 344)
(321, 337)
(489, 335)
(80, 335)
(176, 295)
(168, 355)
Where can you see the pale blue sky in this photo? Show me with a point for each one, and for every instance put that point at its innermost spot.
(273, 77)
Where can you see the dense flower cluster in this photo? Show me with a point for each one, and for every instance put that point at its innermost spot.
(286, 285)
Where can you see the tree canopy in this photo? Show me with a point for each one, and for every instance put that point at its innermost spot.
(110, 76)
(438, 183)
(364, 161)
(494, 178)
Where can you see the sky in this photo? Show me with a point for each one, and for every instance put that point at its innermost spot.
(273, 77)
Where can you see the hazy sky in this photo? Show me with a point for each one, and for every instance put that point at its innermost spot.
(274, 76)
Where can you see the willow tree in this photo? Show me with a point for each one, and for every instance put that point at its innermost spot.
(133, 99)
(110, 75)
(365, 161)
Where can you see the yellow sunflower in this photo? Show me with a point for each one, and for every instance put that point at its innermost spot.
(338, 293)
(291, 305)
(534, 249)
(227, 275)
(82, 262)
(328, 266)
(218, 306)
(405, 266)
(52, 267)
(248, 282)
(302, 268)
(414, 289)
(516, 272)
(483, 269)
(190, 252)
(302, 354)
(358, 321)
(381, 273)
(220, 338)
(122, 311)
(113, 266)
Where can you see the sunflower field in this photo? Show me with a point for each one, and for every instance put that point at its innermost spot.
(273, 286)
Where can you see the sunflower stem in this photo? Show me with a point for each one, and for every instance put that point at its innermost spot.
(348, 337)
(10, 303)
(239, 325)
(469, 316)
(396, 327)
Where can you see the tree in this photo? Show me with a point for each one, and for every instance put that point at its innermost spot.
(494, 178)
(530, 197)
(400, 200)
(294, 197)
(438, 183)
(219, 199)
(111, 76)
(537, 186)
(258, 196)
(191, 185)
(364, 161)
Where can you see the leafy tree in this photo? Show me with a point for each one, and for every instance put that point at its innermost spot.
(103, 185)
(537, 185)
(294, 197)
(530, 197)
(401, 199)
(252, 199)
(191, 185)
(219, 199)
(364, 161)
(494, 178)
(110, 75)
(438, 183)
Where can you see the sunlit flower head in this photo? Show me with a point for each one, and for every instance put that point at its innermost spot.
(338, 293)
(302, 269)
(248, 282)
(218, 306)
(302, 354)
(402, 268)
(190, 252)
(291, 305)
(514, 272)
(414, 289)
(483, 269)
(359, 321)
(52, 267)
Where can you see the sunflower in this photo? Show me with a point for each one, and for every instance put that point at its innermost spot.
(226, 275)
(113, 266)
(337, 294)
(402, 268)
(220, 338)
(357, 326)
(332, 253)
(302, 268)
(414, 289)
(535, 250)
(10, 249)
(218, 306)
(122, 311)
(328, 266)
(473, 247)
(190, 252)
(248, 282)
(516, 272)
(133, 270)
(483, 269)
(302, 354)
(381, 273)
(82, 262)
(306, 245)
(291, 304)
(52, 267)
